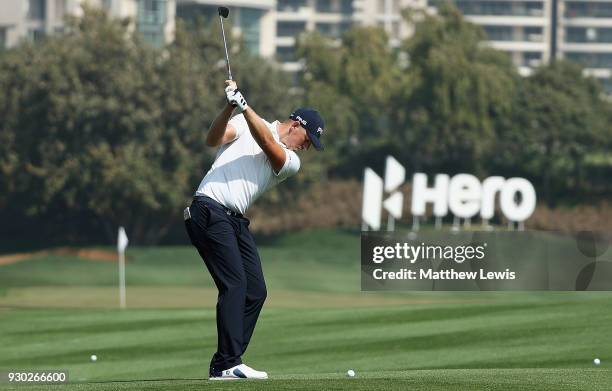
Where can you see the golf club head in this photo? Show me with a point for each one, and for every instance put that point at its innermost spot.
(223, 11)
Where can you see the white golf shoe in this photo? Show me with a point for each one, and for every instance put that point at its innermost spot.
(238, 372)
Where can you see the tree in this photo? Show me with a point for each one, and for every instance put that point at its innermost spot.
(558, 119)
(87, 128)
(352, 82)
(452, 94)
(101, 130)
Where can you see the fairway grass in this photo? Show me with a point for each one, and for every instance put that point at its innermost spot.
(512, 342)
(416, 380)
(56, 311)
(191, 297)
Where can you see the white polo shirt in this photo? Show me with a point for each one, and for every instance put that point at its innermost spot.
(242, 171)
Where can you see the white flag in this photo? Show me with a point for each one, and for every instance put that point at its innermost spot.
(122, 240)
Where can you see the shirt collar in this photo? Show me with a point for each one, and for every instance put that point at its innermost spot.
(275, 127)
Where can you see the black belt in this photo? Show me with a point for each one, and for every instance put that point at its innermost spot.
(225, 209)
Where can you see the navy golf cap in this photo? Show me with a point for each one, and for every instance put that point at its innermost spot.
(313, 123)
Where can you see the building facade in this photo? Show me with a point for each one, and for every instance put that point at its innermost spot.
(386, 14)
(34, 19)
(270, 27)
(520, 28)
(253, 20)
(584, 36)
(332, 18)
(533, 32)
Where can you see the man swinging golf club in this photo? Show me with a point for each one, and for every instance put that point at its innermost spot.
(254, 155)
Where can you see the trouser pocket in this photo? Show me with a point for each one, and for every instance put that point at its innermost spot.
(190, 232)
(197, 220)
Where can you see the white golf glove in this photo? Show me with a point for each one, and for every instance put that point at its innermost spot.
(235, 98)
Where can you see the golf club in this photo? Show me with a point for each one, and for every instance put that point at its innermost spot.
(224, 13)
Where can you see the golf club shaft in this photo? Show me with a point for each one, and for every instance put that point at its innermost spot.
(229, 70)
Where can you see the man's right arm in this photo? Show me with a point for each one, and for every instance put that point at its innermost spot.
(220, 132)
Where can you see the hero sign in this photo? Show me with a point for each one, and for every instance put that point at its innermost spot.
(463, 195)
(466, 196)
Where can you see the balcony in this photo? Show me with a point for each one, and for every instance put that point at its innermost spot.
(507, 20)
(591, 60)
(498, 8)
(290, 5)
(37, 10)
(285, 53)
(588, 35)
(289, 29)
(514, 33)
(578, 9)
(518, 46)
(151, 12)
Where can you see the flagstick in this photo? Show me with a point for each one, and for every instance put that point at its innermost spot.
(122, 280)
(122, 242)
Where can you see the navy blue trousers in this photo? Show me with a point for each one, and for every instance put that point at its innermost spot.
(228, 250)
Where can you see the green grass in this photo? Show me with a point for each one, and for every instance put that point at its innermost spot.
(316, 254)
(315, 326)
(547, 343)
(422, 380)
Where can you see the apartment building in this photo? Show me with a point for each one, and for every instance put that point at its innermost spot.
(330, 18)
(388, 15)
(270, 27)
(254, 20)
(532, 32)
(34, 19)
(333, 17)
(584, 35)
(520, 28)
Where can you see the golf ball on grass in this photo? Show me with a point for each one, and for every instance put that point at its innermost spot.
(93, 358)
(350, 373)
(597, 361)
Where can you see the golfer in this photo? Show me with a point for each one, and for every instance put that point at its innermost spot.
(254, 155)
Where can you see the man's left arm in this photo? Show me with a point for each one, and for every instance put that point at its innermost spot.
(262, 135)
